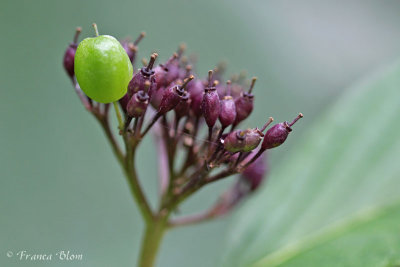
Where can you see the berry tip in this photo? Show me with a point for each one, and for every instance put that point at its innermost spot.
(253, 82)
(94, 25)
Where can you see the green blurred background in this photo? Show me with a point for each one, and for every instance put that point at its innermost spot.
(61, 188)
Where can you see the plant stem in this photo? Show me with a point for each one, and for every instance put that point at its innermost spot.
(128, 166)
(119, 117)
(193, 219)
(155, 228)
(114, 144)
(163, 163)
(151, 242)
(136, 189)
(156, 223)
(81, 96)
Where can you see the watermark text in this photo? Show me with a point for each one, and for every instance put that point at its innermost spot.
(62, 255)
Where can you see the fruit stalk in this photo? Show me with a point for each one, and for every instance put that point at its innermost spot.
(119, 117)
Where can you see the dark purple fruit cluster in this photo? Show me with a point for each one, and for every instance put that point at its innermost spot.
(198, 115)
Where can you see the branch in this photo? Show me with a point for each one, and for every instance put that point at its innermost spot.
(224, 205)
(220, 176)
(103, 120)
(190, 155)
(136, 189)
(164, 179)
(81, 96)
(127, 164)
(193, 219)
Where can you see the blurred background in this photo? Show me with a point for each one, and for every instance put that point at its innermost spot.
(61, 188)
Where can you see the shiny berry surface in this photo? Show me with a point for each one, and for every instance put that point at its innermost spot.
(102, 68)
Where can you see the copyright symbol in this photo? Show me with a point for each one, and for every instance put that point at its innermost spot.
(9, 254)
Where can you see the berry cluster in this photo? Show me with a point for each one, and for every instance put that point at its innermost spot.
(197, 116)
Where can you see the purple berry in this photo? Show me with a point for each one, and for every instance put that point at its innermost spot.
(235, 141)
(278, 133)
(69, 56)
(124, 102)
(139, 78)
(221, 90)
(254, 174)
(182, 109)
(244, 104)
(166, 73)
(156, 97)
(196, 90)
(173, 96)
(132, 48)
(254, 136)
(210, 105)
(228, 109)
(245, 141)
(138, 104)
(274, 137)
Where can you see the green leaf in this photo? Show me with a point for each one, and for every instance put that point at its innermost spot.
(370, 239)
(327, 203)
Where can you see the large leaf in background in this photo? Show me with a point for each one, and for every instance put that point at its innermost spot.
(327, 203)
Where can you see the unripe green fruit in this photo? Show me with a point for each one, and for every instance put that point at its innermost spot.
(102, 68)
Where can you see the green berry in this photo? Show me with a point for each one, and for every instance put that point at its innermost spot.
(102, 68)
